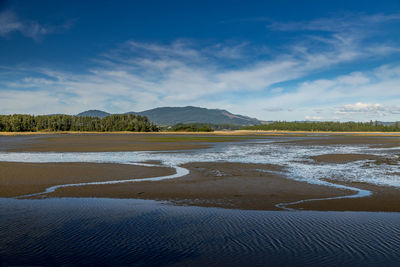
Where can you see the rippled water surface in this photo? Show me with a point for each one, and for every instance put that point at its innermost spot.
(126, 232)
(137, 232)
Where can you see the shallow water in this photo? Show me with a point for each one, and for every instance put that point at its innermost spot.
(179, 173)
(127, 232)
(138, 232)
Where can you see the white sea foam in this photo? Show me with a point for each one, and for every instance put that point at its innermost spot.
(179, 172)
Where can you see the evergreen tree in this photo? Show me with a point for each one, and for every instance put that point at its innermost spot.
(22, 123)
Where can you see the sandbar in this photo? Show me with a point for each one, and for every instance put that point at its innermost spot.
(18, 179)
(100, 142)
(383, 198)
(210, 184)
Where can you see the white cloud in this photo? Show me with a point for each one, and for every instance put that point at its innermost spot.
(276, 90)
(361, 107)
(368, 108)
(10, 22)
(142, 75)
(29, 102)
(314, 118)
(116, 88)
(274, 109)
(324, 98)
(342, 23)
(354, 79)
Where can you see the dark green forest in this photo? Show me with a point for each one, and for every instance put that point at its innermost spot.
(327, 126)
(138, 123)
(200, 127)
(191, 127)
(30, 123)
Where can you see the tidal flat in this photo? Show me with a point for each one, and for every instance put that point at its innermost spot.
(229, 171)
(177, 200)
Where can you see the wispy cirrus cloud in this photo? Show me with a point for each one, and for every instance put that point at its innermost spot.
(368, 108)
(353, 34)
(337, 98)
(122, 83)
(344, 23)
(10, 22)
(241, 77)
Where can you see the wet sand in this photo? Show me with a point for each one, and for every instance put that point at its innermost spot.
(227, 185)
(344, 158)
(100, 142)
(383, 198)
(18, 179)
(108, 142)
(371, 141)
(219, 132)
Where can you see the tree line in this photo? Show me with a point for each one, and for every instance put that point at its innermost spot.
(31, 123)
(191, 127)
(327, 126)
(138, 123)
(200, 127)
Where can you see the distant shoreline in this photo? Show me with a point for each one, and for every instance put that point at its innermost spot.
(233, 132)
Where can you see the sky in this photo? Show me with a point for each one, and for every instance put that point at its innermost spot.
(272, 60)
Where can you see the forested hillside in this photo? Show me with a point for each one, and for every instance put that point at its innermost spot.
(168, 116)
(30, 123)
(189, 114)
(94, 113)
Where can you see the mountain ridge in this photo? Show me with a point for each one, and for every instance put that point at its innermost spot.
(189, 114)
(94, 113)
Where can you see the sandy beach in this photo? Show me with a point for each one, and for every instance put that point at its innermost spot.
(18, 179)
(228, 185)
(217, 132)
(383, 198)
(211, 184)
(371, 141)
(128, 141)
(93, 142)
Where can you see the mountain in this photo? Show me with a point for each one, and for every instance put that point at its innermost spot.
(189, 114)
(94, 113)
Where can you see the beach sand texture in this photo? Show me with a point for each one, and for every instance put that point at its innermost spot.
(215, 184)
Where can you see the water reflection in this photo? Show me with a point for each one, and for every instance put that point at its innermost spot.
(125, 232)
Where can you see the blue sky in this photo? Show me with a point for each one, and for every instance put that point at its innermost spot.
(273, 60)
